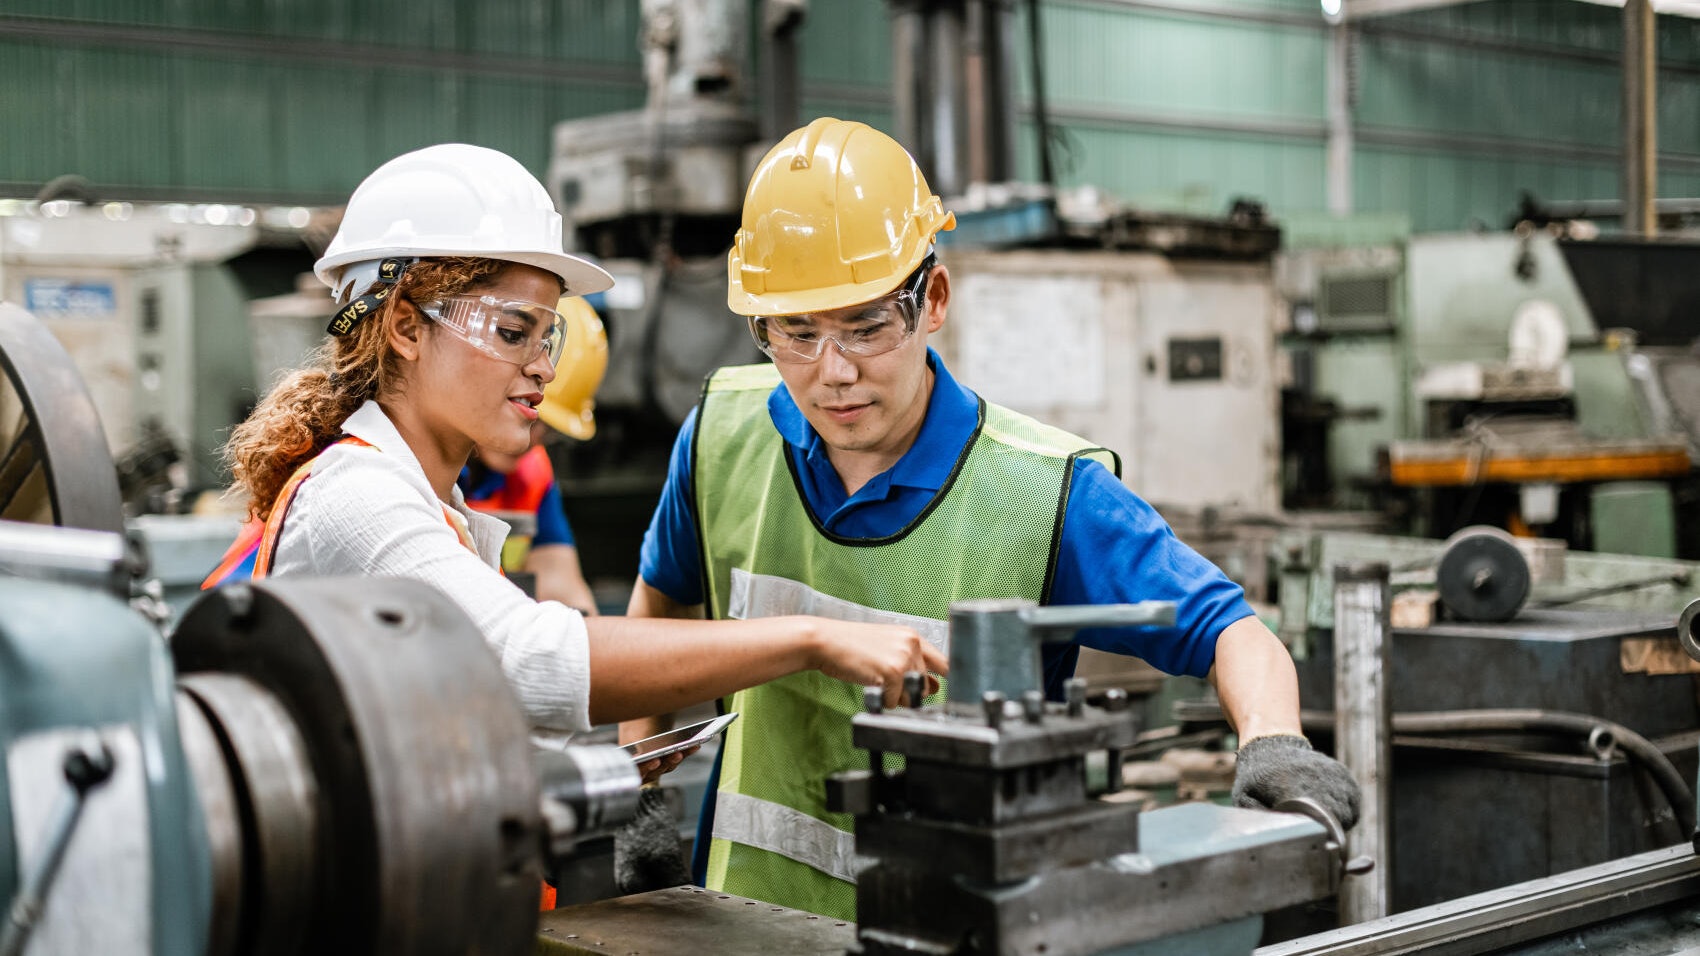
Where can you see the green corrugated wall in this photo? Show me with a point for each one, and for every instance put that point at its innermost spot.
(1173, 103)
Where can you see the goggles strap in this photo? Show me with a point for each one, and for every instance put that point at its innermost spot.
(389, 273)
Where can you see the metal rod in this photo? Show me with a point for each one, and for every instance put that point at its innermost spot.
(946, 164)
(1339, 96)
(1640, 118)
(908, 81)
(1363, 738)
(1041, 116)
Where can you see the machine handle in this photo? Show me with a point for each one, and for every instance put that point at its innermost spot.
(1059, 621)
(84, 770)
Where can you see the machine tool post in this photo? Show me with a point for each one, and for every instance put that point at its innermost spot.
(993, 702)
(1033, 706)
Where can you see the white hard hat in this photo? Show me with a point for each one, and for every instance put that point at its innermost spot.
(453, 200)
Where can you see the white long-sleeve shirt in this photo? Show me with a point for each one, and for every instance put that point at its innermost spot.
(370, 511)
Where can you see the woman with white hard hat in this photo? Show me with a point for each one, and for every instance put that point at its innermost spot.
(446, 272)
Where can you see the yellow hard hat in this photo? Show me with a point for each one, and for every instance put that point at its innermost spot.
(837, 214)
(569, 400)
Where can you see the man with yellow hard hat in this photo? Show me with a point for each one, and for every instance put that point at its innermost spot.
(496, 482)
(855, 477)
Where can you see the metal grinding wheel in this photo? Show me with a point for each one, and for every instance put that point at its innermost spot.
(55, 467)
(1482, 576)
(426, 832)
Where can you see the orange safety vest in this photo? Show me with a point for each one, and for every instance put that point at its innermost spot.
(523, 488)
(259, 538)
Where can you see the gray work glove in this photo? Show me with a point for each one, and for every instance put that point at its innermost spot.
(1272, 769)
(647, 855)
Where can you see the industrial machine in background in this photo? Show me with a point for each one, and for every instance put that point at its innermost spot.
(1526, 379)
(135, 294)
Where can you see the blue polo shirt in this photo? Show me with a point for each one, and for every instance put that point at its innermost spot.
(1114, 549)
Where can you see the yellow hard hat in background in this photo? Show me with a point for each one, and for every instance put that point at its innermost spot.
(837, 214)
(569, 400)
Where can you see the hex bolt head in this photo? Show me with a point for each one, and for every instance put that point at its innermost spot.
(914, 682)
(1032, 705)
(873, 698)
(1074, 691)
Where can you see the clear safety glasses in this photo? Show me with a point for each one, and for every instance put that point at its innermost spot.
(874, 329)
(512, 330)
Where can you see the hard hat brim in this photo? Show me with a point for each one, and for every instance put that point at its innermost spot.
(582, 428)
(581, 276)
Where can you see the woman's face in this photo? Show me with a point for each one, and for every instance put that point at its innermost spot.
(469, 392)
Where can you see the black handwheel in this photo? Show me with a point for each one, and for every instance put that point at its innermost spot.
(55, 467)
(1482, 575)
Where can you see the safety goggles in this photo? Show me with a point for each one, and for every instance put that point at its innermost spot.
(874, 329)
(512, 330)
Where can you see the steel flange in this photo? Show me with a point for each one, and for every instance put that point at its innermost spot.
(430, 833)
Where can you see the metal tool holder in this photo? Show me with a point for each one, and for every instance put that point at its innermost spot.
(988, 840)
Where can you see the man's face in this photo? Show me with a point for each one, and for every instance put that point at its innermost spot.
(863, 404)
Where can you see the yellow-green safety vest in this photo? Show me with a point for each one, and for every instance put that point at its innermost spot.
(992, 530)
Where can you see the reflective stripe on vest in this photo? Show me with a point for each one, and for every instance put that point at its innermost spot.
(764, 595)
(260, 538)
(789, 832)
(992, 531)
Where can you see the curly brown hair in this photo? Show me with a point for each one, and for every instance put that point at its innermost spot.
(304, 413)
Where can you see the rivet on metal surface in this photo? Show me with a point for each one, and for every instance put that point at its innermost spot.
(873, 698)
(1074, 691)
(993, 702)
(1033, 705)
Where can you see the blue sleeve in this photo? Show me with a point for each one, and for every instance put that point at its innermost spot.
(1116, 549)
(552, 526)
(670, 561)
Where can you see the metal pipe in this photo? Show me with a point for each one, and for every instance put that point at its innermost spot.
(781, 75)
(946, 162)
(1041, 116)
(908, 52)
(1339, 101)
(1640, 118)
(1363, 737)
(1637, 748)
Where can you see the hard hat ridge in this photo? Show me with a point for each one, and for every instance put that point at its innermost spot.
(836, 214)
(454, 199)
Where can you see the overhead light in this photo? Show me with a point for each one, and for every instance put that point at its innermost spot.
(1331, 10)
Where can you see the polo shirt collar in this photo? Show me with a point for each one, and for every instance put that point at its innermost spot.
(953, 414)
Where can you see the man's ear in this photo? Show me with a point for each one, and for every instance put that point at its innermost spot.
(938, 298)
(406, 329)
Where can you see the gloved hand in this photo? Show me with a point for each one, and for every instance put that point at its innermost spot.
(1272, 769)
(647, 855)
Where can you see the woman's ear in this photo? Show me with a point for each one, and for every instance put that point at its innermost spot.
(406, 329)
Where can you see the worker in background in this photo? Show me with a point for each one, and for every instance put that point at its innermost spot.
(855, 476)
(496, 482)
(446, 270)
